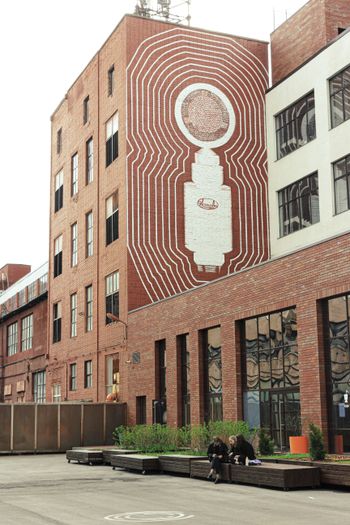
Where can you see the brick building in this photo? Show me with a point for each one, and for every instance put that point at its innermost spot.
(23, 334)
(159, 219)
(124, 233)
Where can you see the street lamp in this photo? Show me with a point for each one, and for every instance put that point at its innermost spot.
(116, 319)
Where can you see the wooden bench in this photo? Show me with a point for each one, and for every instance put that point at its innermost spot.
(108, 453)
(276, 475)
(331, 473)
(139, 463)
(178, 464)
(200, 469)
(85, 456)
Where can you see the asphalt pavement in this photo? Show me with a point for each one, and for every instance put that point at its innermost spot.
(46, 490)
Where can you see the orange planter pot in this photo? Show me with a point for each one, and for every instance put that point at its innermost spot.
(299, 444)
(339, 445)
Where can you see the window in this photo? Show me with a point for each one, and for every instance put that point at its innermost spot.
(73, 314)
(59, 191)
(86, 110)
(184, 357)
(22, 297)
(338, 365)
(31, 289)
(89, 308)
(271, 374)
(112, 139)
(57, 314)
(89, 161)
(299, 205)
(87, 374)
(296, 126)
(110, 81)
(27, 333)
(59, 141)
(39, 387)
(112, 376)
(89, 234)
(212, 374)
(112, 295)
(43, 284)
(141, 413)
(159, 405)
(341, 172)
(56, 393)
(73, 377)
(112, 218)
(57, 264)
(339, 87)
(75, 172)
(74, 244)
(12, 344)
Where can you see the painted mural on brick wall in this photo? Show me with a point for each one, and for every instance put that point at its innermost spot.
(197, 182)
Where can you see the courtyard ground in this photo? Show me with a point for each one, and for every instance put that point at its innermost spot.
(46, 490)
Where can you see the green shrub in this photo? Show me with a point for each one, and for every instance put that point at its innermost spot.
(161, 438)
(225, 429)
(266, 444)
(200, 437)
(151, 438)
(317, 449)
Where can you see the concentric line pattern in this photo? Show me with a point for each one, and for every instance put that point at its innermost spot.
(159, 157)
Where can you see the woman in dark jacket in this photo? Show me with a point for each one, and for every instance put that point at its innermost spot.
(240, 450)
(217, 454)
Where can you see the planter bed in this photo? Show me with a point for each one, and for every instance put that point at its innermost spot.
(85, 456)
(179, 464)
(139, 463)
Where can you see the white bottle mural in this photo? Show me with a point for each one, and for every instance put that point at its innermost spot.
(206, 118)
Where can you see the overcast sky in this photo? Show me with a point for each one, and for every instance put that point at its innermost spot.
(44, 45)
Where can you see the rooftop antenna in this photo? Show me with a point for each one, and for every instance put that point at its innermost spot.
(164, 10)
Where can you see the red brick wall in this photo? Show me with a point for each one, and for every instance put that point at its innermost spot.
(13, 273)
(160, 157)
(20, 367)
(305, 33)
(301, 280)
(105, 340)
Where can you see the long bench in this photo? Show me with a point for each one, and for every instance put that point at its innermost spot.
(85, 456)
(265, 475)
(178, 464)
(200, 469)
(136, 462)
(330, 473)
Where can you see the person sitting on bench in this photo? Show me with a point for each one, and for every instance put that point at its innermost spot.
(217, 454)
(241, 451)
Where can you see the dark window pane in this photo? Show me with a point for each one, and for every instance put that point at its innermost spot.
(289, 327)
(264, 369)
(109, 151)
(277, 374)
(115, 145)
(276, 329)
(335, 84)
(252, 371)
(295, 126)
(291, 366)
(337, 110)
(251, 335)
(341, 195)
(252, 408)
(340, 366)
(264, 332)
